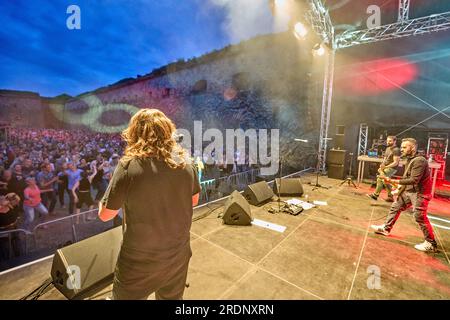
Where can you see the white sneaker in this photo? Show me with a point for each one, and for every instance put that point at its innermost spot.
(426, 247)
(380, 229)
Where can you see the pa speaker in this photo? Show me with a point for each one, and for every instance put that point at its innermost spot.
(336, 157)
(336, 171)
(80, 267)
(258, 193)
(237, 210)
(288, 187)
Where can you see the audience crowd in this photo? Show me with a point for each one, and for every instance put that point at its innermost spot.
(45, 166)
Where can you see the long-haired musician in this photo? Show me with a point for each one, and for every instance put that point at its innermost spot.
(157, 188)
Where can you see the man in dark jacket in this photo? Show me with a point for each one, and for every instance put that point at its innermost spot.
(415, 191)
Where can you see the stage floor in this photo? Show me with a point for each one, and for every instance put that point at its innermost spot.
(327, 252)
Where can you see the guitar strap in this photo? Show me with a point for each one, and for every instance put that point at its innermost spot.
(405, 175)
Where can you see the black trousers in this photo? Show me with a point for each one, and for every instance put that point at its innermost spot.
(61, 191)
(137, 276)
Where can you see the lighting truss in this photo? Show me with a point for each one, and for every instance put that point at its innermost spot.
(319, 18)
(406, 28)
(403, 11)
(363, 138)
(326, 111)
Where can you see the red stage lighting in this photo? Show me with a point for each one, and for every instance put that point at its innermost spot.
(375, 77)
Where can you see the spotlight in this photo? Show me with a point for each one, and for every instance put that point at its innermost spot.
(279, 3)
(300, 31)
(319, 50)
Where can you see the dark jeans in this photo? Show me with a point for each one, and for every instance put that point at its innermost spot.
(49, 200)
(61, 191)
(419, 203)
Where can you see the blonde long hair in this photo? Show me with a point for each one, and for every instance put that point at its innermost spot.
(150, 134)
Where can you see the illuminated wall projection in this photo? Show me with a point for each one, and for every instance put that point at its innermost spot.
(91, 118)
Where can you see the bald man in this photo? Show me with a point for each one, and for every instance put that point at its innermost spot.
(415, 191)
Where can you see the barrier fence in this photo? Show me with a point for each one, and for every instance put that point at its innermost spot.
(53, 234)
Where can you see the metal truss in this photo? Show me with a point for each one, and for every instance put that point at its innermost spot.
(363, 138)
(326, 111)
(412, 27)
(403, 10)
(319, 18)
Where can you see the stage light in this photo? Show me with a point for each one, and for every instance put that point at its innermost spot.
(318, 50)
(279, 3)
(300, 31)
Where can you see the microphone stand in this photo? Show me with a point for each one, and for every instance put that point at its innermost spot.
(280, 169)
(317, 185)
(349, 178)
(278, 187)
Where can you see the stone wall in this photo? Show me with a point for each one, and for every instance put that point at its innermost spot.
(16, 108)
(261, 83)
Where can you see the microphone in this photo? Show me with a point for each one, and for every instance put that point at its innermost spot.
(178, 137)
(302, 140)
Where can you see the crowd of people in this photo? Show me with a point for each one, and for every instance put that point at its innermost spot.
(46, 166)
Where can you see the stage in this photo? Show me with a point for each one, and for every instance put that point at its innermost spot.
(328, 252)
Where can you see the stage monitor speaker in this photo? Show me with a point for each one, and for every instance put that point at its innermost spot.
(84, 265)
(258, 193)
(289, 187)
(339, 141)
(336, 171)
(336, 156)
(237, 210)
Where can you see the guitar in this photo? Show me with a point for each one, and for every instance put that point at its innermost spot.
(397, 189)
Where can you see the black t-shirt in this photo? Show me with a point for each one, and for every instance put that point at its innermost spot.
(157, 203)
(85, 185)
(8, 218)
(17, 186)
(64, 180)
(389, 155)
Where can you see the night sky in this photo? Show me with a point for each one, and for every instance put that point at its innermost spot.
(118, 39)
(125, 38)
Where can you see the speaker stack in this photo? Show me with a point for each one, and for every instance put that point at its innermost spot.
(336, 157)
